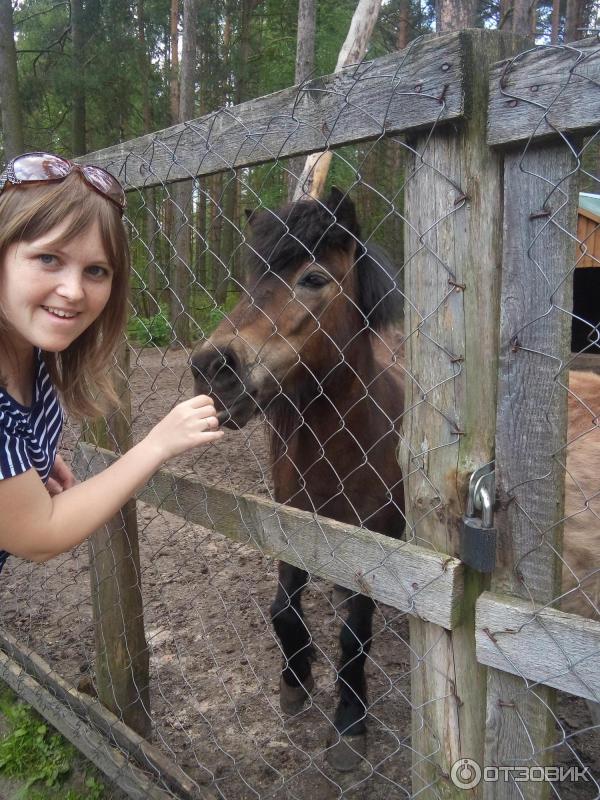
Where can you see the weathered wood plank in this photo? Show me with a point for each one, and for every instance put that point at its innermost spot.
(147, 755)
(414, 88)
(535, 338)
(544, 90)
(531, 426)
(108, 759)
(122, 673)
(544, 646)
(453, 236)
(407, 577)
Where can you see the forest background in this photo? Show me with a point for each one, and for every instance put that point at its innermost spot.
(82, 75)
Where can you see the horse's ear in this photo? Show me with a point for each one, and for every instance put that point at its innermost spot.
(342, 206)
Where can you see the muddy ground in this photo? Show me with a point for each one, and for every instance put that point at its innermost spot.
(215, 663)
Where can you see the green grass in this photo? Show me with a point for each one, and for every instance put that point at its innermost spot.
(158, 330)
(31, 751)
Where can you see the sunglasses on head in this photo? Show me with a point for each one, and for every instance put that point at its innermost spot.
(42, 167)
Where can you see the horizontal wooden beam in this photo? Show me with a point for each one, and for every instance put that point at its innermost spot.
(107, 758)
(149, 757)
(410, 578)
(545, 90)
(414, 88)
(585, 361)
(545, 646)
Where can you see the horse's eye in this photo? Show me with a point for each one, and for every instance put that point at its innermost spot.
(314, 280)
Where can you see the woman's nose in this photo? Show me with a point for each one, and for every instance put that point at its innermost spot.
(71, 286)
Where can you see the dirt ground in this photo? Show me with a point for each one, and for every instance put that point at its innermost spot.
(215, 662)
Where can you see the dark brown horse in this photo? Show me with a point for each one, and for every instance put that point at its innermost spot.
(309, 346)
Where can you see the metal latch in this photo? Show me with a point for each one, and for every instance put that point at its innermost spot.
(478, 535)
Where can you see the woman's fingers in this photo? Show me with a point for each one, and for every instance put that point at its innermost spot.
(206, 411)
(190, 424)
(53, 487)
(211, 436)
(200, 400)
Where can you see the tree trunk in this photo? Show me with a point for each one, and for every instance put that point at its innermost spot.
(231, 195)
(506, 9)
(555, 21)
(187, 87)
(454, 15)
(201, 243)
(403, 36)
(217, 275)
(152, 302)
(182, 193)
(584, 9)
(144, 67)
(571, 20)
(10, 100)
(174, 66)
(78, 65)
(521, 19)
(152, 233)
(316, 167)
(305, 64)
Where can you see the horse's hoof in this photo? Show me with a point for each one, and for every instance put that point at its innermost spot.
(339, 596)
(347, 753)
(293, 698)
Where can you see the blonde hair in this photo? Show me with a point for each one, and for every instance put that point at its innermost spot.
(29, 211)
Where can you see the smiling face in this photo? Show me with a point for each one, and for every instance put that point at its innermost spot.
(51, 293)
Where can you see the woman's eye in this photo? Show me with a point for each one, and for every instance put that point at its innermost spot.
(47, 258)
(314, 280)
(97, 272)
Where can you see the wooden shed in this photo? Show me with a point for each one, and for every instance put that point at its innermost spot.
(586, 284)
(588, 229)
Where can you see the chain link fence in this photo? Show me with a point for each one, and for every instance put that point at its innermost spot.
(368, 352)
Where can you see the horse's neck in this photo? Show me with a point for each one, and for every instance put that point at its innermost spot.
(306, 419)
(337, 390)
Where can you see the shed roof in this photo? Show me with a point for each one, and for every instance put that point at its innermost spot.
(590, 202)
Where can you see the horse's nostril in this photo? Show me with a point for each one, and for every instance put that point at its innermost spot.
(195, 371)
(227, 363)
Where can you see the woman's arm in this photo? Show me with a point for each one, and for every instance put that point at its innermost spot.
(37, 526)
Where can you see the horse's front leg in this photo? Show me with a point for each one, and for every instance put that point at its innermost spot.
(286, 615)
(349, 747)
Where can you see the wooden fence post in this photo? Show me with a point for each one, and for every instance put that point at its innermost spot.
(453, 240)
(535, 341)
(122, 657)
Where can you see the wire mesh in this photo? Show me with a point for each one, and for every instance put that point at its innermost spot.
(547, 450)
(234, 304)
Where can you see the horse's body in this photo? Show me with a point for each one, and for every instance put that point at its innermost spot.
(311, 346)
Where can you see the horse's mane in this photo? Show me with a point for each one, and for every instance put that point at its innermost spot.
(309, 230)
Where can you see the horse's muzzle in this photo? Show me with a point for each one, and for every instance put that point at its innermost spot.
(218, 373)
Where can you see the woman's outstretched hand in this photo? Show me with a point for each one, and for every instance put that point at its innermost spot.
(190, 424)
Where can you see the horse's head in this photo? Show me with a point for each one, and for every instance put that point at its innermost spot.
(312, 289)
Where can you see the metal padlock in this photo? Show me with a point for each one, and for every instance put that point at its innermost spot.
(478, 535)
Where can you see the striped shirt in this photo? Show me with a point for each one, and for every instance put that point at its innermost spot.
(29, 435)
